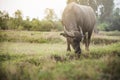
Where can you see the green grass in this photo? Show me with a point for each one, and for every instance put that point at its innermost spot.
(21, 60)
(53, 37)
(51, 61)
(111, 33)
(104, 39)
(30, 36)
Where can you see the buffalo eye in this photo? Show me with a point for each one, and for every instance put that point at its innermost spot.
(75, 40)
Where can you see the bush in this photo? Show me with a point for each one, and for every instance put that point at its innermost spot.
(46, 25)
(103, 27)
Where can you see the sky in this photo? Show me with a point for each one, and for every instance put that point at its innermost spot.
(117, 3)
(36, 8)
(33, 8)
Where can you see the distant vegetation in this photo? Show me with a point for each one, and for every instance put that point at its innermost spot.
(49, 23)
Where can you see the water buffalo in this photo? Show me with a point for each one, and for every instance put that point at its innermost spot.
(78, 21)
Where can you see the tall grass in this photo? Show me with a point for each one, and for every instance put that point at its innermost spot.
(57, 64)
(52, 37)
(23, 60)
(110, 33)
(30, 36)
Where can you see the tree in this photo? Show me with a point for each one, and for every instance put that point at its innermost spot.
(11, 23)
(35, 24)
(18, 14)
(50, 14)
(18, 19)
(27, 25)
(115, 23)
(4, 17)
(106, 10)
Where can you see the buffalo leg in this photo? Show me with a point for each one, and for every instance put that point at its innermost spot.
(89, 38)
(68, 45)
(85, 41)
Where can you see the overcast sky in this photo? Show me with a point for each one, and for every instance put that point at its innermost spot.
(35, 8)
(117, 3)
(32, 8)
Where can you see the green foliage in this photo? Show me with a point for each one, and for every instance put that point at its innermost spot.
(17, 23)
(35, 25)
(115, 22)
(4, 17)
(58, 26)
(47, 25)
(103, 27)
(27, 25)
(11, 24)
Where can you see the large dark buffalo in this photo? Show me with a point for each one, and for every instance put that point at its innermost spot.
(78, 21)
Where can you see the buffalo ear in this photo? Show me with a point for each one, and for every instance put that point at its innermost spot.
(63, 34)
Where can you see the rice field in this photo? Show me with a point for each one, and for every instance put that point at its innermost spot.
(30, 55)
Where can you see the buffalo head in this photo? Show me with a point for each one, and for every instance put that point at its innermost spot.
(74, 38)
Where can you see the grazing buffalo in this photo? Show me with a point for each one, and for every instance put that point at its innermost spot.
(78, 21)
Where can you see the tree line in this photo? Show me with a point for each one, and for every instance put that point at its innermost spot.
(49, 23)
(108, 18)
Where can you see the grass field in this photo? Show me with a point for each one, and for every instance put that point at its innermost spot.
(29, 55)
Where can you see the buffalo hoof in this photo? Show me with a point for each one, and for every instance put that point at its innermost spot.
(77, 56)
